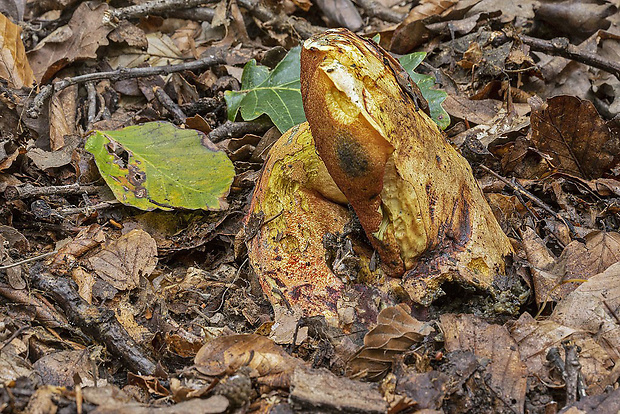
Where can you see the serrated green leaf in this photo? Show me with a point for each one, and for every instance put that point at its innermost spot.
(426, 83)
(276, 93)
(165, 167)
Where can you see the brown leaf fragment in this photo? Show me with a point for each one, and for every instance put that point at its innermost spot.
(395, 332)
(122, 262)
(535, 338)
(319, 389)
(60, 368)
(62, 113)
(508, 373)
(79, 40)
(14, 66)
(87, 239)
(573, 134)
(229, 353)
(594, 307)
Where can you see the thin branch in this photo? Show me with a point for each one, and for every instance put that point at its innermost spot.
(155, 7)
(560, 46)
(30, 259)
(29, 190)
(170, 105)
(99, 323)
(115, 75)
(374, 9)
(519, 189)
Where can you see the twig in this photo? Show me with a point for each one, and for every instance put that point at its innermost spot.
(374, 9)
(281, 21)
(560, 46)
(155, 7)
(115, 75)
(92, 104)
(199, 14)
(67, 211)
(536, 200)
(572, 370)
(101, 324)
(237, 129)
(170, 105)
(13, 336)
(31, 259)
(29, 190)
(43, 311)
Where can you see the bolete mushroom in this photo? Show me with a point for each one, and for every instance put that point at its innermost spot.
(414, 194)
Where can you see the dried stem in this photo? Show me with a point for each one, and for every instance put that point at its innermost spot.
(560, 46)
(155, 7)
(115, 75)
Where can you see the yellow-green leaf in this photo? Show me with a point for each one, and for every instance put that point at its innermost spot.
(157, 165)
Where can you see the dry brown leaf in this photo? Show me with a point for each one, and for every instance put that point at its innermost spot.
(555, 278)
(122, 262)
(14, 66)
(87, 239)
(80, 39)
(395, 332)
(593, 307)
(229, 353)
(571, 131)
(508, 373)
(535, 338)
(62, 113)
(413, 193)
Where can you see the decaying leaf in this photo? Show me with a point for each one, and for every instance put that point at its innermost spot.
(166, 167)
(79, 39)
(535, 338)
(415, 196)
(227, 354)
(593, 307)
(571, 131)
(295, 204)
(395, 332)
(122, 262)
(508, 373)
(14, 66)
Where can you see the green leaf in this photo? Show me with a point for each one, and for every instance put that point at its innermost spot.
(157, 165)
(426, 83)
(274, 93)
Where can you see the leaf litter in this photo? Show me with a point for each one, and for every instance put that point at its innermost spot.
(166, 307)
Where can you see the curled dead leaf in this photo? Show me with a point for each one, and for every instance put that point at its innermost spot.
(395, 332)
(229, 353)
(415, 196)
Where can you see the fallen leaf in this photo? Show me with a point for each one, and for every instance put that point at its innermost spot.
(123, 261)
(229, 353)
(274, 93)
(62, 113)
(167, 167)
(535, 338)
(14, 66)
(593, 307)
(571, 131)
(508, 373)
(80, 39)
